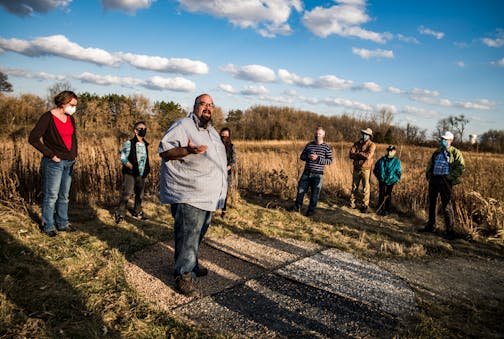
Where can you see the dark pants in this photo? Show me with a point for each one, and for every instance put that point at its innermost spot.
(131, 184)
(439, 185)
(384, 198)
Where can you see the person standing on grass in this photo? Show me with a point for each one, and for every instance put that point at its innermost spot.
(388, 172)
(194, 181)
(55, 137)
(135, 161)
(316, 154)
(225, 134)
(362, 153)
(443, 171)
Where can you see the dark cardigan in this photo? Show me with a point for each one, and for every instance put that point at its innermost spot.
(52, 144)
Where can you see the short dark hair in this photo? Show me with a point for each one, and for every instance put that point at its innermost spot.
(139, 123)
(225, 129)
(64, 98)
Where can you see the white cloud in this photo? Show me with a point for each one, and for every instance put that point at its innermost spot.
(255, 73)
(497, 42)
(348, 104)
(420, 112)
(377, 53)
(333, 82)
(176, 84)
(294, 79)
(160, 64)
(16, 72)
(394, 90)
(499, 62)
(325, 81)
(370, 86)
(343, 19)
(227, 88)
(254, 90)
(268, 17)
(128, 6)
(403, 38)
(460, 64)
(428, 31)
(419, 92)
(431, 98)
(107, 79)
(59, 45)
(28, 7)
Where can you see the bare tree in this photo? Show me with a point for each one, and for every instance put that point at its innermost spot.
(58, 87)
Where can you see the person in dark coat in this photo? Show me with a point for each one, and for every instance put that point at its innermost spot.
(135, 160)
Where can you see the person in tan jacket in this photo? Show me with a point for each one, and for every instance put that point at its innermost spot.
(362, 154)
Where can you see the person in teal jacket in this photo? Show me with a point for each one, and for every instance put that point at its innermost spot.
(443, 171)
(388, 172)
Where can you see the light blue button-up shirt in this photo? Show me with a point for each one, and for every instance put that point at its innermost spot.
(199, 180)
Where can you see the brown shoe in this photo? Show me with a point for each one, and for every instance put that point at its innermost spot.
(184, 285)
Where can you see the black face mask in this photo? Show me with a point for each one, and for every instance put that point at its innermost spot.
(142, 132)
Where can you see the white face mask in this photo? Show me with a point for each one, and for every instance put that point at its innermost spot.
(70, 109)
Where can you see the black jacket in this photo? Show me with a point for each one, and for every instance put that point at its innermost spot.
(132, 158)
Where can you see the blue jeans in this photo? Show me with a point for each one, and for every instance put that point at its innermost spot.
(312, 181)
(56, 182)
(191, 225)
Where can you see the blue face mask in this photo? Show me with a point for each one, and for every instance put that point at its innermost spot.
(364, 136)
(444, 143)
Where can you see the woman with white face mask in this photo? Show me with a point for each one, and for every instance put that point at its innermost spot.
(55, 137)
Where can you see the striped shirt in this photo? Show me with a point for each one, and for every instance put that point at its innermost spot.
(324, 153)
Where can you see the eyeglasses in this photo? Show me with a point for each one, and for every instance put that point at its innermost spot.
(206, 104)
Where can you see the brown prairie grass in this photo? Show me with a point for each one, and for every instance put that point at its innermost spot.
(81, 275)
(273, 168)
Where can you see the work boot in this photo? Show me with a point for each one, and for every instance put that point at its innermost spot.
(309, 213)
(295, 208)
(184, 285)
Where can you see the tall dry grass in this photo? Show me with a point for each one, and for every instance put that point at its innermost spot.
(272, 168)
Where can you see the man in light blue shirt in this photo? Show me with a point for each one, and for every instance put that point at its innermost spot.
(194, 181)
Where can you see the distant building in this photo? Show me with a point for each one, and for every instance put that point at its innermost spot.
(473, 138)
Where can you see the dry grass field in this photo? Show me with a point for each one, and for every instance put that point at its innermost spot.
(74, 285)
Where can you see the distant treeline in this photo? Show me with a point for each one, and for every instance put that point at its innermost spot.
(114, 115)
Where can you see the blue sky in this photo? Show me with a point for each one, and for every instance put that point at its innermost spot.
(421, 60)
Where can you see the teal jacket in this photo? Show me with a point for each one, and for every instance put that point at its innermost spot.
(457, 165)
(388, 170)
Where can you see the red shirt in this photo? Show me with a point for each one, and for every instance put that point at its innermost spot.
(66, 130)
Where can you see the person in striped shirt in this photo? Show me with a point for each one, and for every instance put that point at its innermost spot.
(316, 155)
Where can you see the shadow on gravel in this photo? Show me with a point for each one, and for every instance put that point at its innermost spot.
(275, 306)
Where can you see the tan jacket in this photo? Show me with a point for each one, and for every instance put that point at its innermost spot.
(362, 154)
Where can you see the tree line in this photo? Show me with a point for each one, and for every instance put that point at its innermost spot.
(114, 115)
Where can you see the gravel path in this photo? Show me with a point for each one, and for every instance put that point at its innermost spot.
(258, 286)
